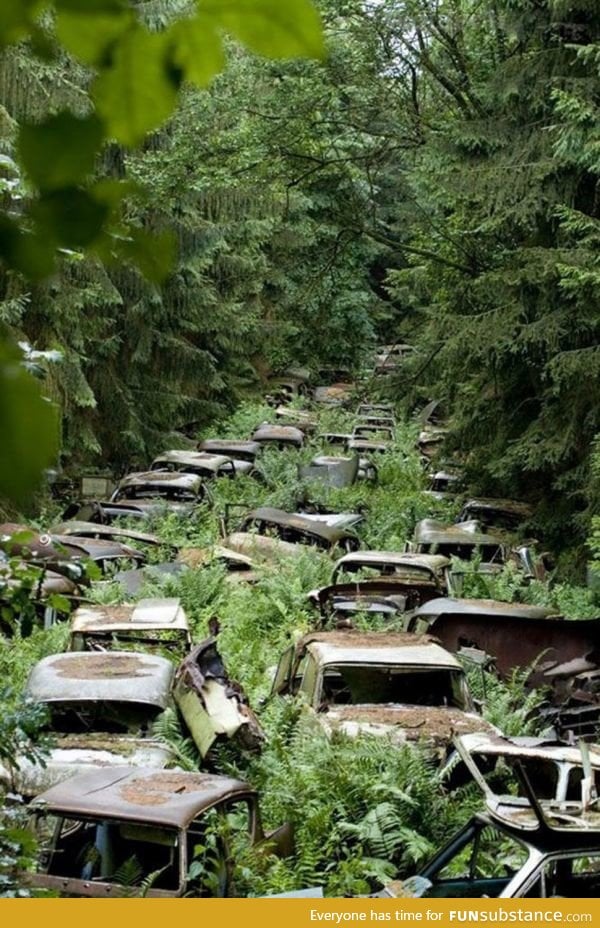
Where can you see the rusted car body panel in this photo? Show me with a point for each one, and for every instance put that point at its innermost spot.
(432, 414)
(430, 441)
(298, 529)
(380, 433)
(444, 484)
(237, 449)
(514, 634)
(261, 548)
(211, 703)
(336, 394)
(461, 540)
(427, 569)
(389, 358)
(386, 597)
(240, 567)
(503, 514)
(341, 674)
(281, 436)
(367, 409)
(297, 418)
(556, 844)
(108, 532)
(106, 703)
(152, 817)
(554, 767)
(205, 465)
(331, 470)
(151, 623)
(366, 446)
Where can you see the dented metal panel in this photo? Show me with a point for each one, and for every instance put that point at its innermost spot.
(114, 676)
(211, 703)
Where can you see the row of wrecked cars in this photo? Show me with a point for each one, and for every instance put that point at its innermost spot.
(109, 798)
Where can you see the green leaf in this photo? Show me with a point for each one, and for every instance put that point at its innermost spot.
(137, 92)
(60, 152)
(28, 425)
(275, 28)
(198, 49)
(89, 35)
(70, 216)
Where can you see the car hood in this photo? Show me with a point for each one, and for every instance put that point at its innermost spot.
(434, 725)
(75, 754)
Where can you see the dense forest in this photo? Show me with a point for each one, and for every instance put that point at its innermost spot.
(433, 178)
(192, 204)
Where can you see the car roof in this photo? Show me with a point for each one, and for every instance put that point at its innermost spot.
(212, 462)
(432, 563)
(154, 478)
(144, 615)
(170, 798)
(97, 530)
(430, 531)
(398, 648)
(97, 548)
(511, 506)
(114, 676)
(293, 520)
(230, 445)
(450, 606)
(267, 432)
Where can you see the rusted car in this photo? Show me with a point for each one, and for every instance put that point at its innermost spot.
(502, 514)
(392, 684)
(367, 409)
(389, 358)
(296, 529)
(143, 495)
(284, 389)
(101, 708)
(514, 634)
(335, 394)
(298, 418)
(44, 586)
(150, 624)
(332, 470)
(374, 420)
(110, 533)
(243, 452)
(240, 567)
(108, 556)
(278, 436)
(205, 465)
(521, 846)
(430, 441)
(425, 573)
(462, 540)
(432, 414)
(382, 598)
(109, 831)
(371, 432)
(67, 554)
(556, 768)
(367, 446)
(444, 484)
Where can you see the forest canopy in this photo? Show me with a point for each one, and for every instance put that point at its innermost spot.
(266, 192)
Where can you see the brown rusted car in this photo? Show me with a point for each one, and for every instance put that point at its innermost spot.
(278, 436)
(243, 452)
(399, 685)
(150, 624)
(205, 465)
(502, 514)
(296, 529)
(167, 833)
